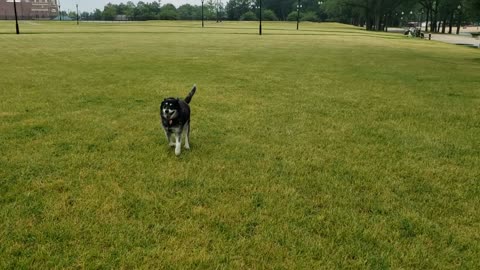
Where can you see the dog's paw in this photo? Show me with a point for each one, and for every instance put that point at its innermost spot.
(178, 151)
(187, 147)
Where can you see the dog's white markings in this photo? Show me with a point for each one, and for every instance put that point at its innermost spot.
(186, 130)
(178, 143)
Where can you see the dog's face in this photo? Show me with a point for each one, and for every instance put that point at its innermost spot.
(170, 108)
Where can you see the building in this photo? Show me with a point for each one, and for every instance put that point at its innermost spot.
(29, 9)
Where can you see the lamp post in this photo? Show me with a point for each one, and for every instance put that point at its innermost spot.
(16, 17)
(217, 6)
(320, 3)
(203, 24)
(77, 14)
(459, 18)
(260, 17)
(59, 10)
(298, 13)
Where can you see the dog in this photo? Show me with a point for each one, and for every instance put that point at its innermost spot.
(175, 117)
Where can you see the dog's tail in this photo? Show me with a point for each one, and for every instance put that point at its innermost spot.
(190, 95)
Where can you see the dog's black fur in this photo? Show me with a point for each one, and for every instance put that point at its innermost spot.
(175, 115)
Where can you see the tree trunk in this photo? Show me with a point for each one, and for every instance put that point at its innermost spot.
(459, 22)
(368, 20)
(443, 25)
(436, 26)
(385, 23)
(378, 22)
(450, 23)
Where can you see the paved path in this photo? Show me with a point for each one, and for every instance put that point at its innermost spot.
(465, 38)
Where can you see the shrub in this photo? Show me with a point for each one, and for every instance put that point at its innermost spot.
(269, 15)
(248, 16)
(292, 16)
(310, 16)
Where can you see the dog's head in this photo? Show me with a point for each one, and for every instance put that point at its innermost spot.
(169, 108)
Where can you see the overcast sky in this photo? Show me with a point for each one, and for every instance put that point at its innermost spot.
(90, 5)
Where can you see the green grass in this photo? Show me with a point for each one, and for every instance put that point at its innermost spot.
(329, 147)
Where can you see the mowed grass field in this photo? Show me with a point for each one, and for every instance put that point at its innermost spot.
(328, 147)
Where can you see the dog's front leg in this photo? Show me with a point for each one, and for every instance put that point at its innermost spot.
(178, 143)
(168, 134)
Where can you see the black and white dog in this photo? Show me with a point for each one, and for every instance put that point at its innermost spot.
(175, 114)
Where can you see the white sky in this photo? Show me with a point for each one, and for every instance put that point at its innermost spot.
(90, 5)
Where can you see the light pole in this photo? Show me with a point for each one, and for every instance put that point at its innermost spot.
(298, 13)
(77, 14)
(59, 11)
(459, 18)
(320, 3)
(203, 24)
(217, 6)
(16, 18)
(260, 26)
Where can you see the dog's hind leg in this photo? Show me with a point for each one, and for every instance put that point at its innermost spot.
(178, 142)
(186, 130)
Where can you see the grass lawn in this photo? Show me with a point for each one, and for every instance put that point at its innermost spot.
(328, 147)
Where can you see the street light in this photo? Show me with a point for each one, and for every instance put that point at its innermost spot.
(203, 24)
(16, 17)
(320, 3)
(59, 10)
(260, 17)
(217, 7)
(299, 6)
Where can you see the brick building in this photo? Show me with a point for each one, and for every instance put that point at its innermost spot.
(29, 9)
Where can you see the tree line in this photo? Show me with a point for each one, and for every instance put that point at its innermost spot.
(375, 15)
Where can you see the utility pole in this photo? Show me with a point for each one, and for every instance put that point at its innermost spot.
(77, 14)
(16, 17)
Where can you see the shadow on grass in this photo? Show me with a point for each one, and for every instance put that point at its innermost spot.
(300, 33)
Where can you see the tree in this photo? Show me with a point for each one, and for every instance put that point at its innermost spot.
(130, 10)
(187, 12)
(236, 8)
(282, 8)
(109, 12)
(168, 12)
(97, 15)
